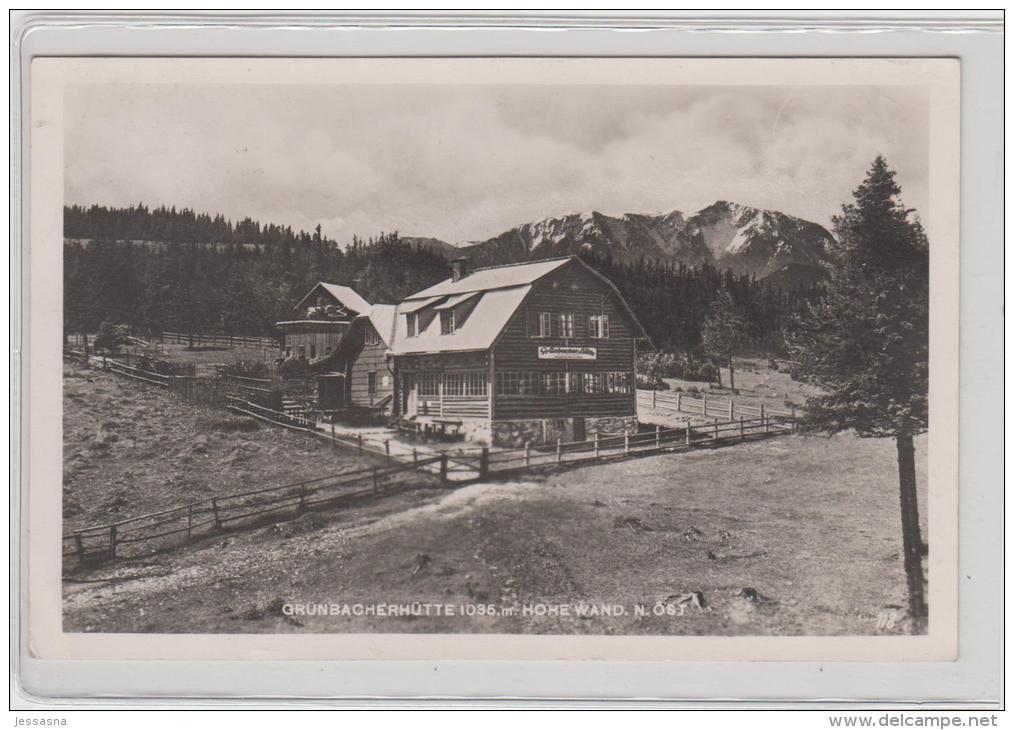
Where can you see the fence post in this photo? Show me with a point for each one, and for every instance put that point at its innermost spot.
(626, 441)
(716, 429)
(80, 547)
(376, 480)
(528, 453)
(704, 399)
(688, 432)
(484, 463)
(658, 437)
(387, 446)
(214, 506)
(732, 409)
(762, 411)
(112, 541)
(559, 450)
(359, 441)
(742, 428)
(679, 401)
(334, 442)
(443, 468)
(653, 392)
(302, 496)
(596, 443)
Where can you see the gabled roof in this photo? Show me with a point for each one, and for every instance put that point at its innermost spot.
(346, 296)
(383, 318)
(494, 277)
(500, 291)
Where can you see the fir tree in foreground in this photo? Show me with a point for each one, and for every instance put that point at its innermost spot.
(866, 343)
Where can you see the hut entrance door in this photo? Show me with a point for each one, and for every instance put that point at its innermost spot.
(408, 395)
(331, 391)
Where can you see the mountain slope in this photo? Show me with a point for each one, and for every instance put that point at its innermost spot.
(744, 239)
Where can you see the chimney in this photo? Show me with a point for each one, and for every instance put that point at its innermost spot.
(459, 268)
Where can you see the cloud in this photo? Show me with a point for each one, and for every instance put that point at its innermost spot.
(467, 162)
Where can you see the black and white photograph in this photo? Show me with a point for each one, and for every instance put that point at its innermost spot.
(506, 348)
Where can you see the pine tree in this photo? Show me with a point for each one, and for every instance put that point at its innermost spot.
(866, 343)
(724, 334)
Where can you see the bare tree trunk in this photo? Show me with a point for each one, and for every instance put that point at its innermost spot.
(910, 533)
(732, 376)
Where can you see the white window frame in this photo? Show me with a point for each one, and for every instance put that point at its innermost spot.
(447, 322)
(598, 326)
(566, 322)
(545, 326)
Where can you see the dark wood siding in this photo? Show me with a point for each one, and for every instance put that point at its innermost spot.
(314, 338)
(570, 290)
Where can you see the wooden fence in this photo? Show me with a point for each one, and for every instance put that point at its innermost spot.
(604, 446)
(163, 381)
(161, 530)
(230, 342)
(158, 531)
(706, 407)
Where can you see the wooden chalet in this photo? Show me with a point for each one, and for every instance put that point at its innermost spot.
(526, 352)
(323, 318)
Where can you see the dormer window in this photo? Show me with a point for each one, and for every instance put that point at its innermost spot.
(447, 322)
(410, 323)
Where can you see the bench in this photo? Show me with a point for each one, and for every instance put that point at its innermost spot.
(438, 428)
(444, 425)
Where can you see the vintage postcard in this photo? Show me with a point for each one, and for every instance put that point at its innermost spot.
(637, 359)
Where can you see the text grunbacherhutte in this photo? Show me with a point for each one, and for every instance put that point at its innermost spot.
(524, 610)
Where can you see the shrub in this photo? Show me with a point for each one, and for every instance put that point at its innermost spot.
(658, 365)
(293, 368)
(165, 367)
(646, 383)
(247, 369)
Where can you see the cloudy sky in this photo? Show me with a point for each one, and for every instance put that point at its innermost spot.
(468, 162)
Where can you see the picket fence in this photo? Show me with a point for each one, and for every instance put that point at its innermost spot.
(231, 342)
(706, 407)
